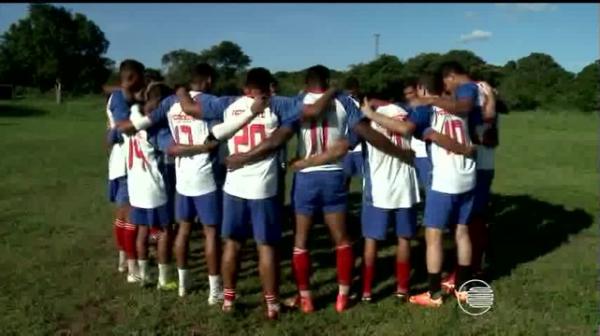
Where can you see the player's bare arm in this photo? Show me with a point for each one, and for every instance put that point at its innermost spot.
(320, 105)
(264, 149)
(379, 141)
(191, 150)
(392, 125)
(331, 155)
(449, 144)
(460, 107)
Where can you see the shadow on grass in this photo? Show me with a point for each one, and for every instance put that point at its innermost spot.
(13, 111)
(522, 229)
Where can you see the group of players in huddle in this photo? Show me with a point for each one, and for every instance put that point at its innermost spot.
(218, 163)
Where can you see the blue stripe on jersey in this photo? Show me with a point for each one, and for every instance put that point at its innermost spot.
(368, 187)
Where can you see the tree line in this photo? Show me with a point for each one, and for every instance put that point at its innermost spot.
(54, 45)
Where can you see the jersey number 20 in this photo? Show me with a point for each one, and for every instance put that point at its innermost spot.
(248, 137)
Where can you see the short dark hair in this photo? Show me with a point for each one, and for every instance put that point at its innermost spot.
(431, 84)
(133, 66)
(159, 90)
(202, 72)
(449, 67)
(410, 82)
(391, 91)
(259, 78)
(317, 75)
(152, 75)
(351, 83)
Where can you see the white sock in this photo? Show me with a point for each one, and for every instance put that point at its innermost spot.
(214, 281)
(183, 277)
(163, 274)
(304, 293)
(344, 290)
(122, 258)
(132, 266)
(143, 264)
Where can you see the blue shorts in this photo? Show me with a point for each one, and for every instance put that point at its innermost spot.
(263, 214)
(446, 210)
(158, 216)
(206, 207)
(423, 166)
(118, 192)
(353, 164)
(482, 191)
(375, 221)
(324, 190)
(169, 178)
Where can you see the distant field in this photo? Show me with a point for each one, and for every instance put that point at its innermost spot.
(58, 260)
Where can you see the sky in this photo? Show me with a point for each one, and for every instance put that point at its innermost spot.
(295, 36)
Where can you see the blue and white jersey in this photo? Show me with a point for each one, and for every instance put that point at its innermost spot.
(485, 155)
(194, 174)
(257, 180)
(358, 147)
(388, 182)
(315, 136)
(145, 161)
(451, 173)
(116, 160)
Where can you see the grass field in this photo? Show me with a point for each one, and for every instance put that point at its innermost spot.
(58, 265)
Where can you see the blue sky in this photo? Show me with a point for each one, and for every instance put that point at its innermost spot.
(295, 36)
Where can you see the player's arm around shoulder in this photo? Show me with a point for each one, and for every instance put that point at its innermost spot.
(333, 154)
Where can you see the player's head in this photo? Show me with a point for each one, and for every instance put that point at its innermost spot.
(427, 85)
(131, 73)
(410, 90)
(203, 76)
(157, 91)
(274, 86)
(352, 86)
(317, 77)
(258, 82)
(389, 92)
(452, 74)
(151, 75)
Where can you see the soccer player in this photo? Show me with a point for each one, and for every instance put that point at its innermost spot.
(391, 189)
(322, 187)
(119, 103)
(450, 197)
(250, 192)
(422, 161)
(353, 161)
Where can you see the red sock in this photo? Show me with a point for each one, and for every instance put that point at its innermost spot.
(119, 232)
(129, 238)
(345, 262)
(229, 294)
(402, 276)
(368, 274)
(301, 268)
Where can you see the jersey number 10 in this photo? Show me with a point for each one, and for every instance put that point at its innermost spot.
(455, 130)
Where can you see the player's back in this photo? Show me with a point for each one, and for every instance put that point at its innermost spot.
(257, 180)
(389, 182)
(144, 163)
(194, 174)
(452, 173)
(315, 136)
(116, 160)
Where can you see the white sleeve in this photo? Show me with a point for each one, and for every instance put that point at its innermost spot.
(227, 129)
(141, 123)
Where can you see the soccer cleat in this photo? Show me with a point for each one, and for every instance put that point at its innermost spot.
(168, 286)
(366, 297)
(133, 278)
(401, 295)
(215, 296)
(304, 303)
(273, 311)
(122, 268)
(228, 306)
(448, 284)
(461, 296)
(425, 299)
(341, 303)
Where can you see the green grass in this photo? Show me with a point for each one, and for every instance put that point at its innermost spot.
(58, 270)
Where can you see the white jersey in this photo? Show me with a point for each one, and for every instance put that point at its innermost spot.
(116, 160)
(419, 147)
(317, 135)
(257, 180)
(194, 174)
(485, 155)
(451, 173)
(145, 181)
(388, 182)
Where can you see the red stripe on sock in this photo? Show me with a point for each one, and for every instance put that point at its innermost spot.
(402, 276)
(229, 294)
(301, 268)
(367, 277)
(344, 263)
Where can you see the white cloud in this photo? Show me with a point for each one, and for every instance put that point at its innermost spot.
(475, 35)
(529, 7)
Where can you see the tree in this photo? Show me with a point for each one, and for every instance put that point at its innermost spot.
(378, 74)
(53, 45)
(178, 65)
(586, 87)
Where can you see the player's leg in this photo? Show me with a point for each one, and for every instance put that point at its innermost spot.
(438, 211)
(374, 223)
(162, 219)
(303, 199)
(209, 213)
(119, 195)
(119, 231)
(266, 226)
(478, 226)
(463, 243)
(139, 217)
(184, 213)
(406, 227)
(335, 199)
(234, 231)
